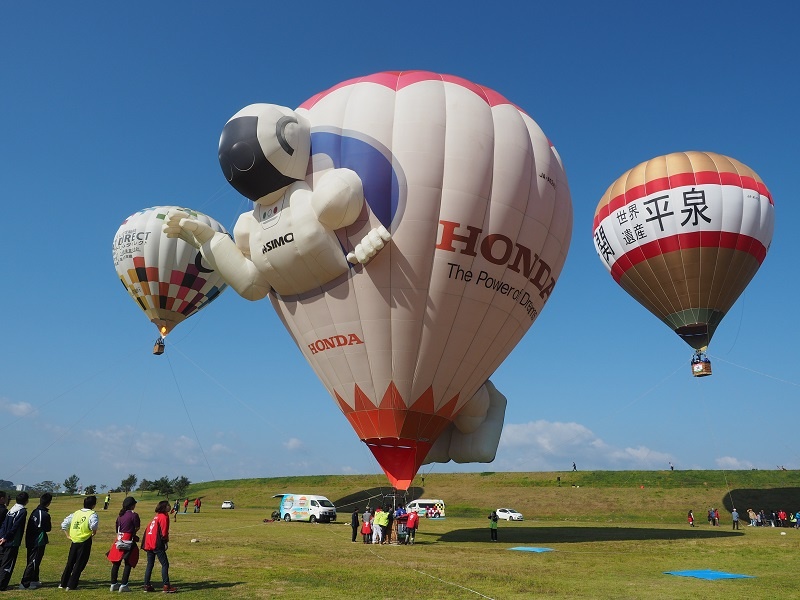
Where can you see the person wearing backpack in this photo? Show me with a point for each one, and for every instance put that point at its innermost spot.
(156, 540)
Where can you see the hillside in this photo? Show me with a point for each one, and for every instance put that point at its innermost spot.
(654, 496)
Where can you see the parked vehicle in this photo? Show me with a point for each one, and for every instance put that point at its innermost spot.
(427, 507)
(228, 504)
(306, 507)
(509, 514)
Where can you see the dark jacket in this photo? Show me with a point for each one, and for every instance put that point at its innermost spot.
(38, 526)
(13, 526)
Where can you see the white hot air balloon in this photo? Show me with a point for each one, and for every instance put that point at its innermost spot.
(409, 228)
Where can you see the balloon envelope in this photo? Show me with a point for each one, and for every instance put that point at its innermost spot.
(165, 276)
(684, 234)
(479, 209)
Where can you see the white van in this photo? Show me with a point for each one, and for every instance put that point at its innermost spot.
(427, 507)
(306, 507)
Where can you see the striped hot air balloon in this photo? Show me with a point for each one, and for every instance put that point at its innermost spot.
(684, 234)
(478, 205)
(167, 277)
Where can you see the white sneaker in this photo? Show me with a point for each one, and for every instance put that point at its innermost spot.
(114, 587)
(124, 588)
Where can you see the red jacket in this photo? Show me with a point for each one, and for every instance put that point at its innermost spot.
(157, 534)
(413, 520)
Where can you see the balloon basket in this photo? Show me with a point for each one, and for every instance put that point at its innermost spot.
(701, 366)
(158, 347)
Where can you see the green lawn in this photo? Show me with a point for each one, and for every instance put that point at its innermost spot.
(613, 535)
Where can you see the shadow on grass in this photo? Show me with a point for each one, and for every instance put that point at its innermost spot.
(376, 496)
(767, 500)
(561, 535)
(156, 583)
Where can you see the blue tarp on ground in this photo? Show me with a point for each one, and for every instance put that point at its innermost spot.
(707, 574)
(531, 549)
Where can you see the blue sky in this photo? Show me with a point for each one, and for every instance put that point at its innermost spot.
(107, 109)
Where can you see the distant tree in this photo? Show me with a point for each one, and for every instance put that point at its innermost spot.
(179, 485)
(90, 490)
(127, 484)
(103, 487)
(47, 486)
(71, 484)
(146, 485)
(162, 486)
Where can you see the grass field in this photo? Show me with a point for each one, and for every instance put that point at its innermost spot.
(613, 534)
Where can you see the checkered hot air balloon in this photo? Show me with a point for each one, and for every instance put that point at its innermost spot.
(166, 277)
(684, 234)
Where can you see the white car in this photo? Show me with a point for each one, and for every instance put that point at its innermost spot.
(509, 514)
(228, 504)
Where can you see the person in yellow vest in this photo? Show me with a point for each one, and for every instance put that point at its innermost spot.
(80, 528)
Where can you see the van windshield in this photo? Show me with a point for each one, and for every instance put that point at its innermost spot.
(326, 504)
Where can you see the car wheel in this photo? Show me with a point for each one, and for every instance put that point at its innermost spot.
(287, 517)
(313, 519)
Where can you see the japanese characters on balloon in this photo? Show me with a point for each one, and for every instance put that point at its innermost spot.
(408, 227)
(684, 234)
(165, 276)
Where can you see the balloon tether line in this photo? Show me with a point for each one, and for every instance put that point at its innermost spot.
(188, 416)
(58, 439)
(710, 430)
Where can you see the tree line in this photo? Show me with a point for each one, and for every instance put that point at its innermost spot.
(163, 486)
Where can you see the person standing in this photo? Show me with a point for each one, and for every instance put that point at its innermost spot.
(197, 505)
(156, 541)
(186, 505)
(412, 522)
(493, 525)
(124, 548)
(11, 531)
(716, 517)
(387, 534)
(378, 523)
(366, 531)
(367, 519)
(574, 467)
(354, 524)
(176, 507)
(80, 527)
(36, 539)
(735, 518)
(3, 507)
(690, 517)
(106, 501)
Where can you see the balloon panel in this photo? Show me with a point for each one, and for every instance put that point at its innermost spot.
(684, 234)
(166, 277)
(479, 209)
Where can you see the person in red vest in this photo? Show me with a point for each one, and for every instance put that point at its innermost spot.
(156, 540)
(411, 526)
